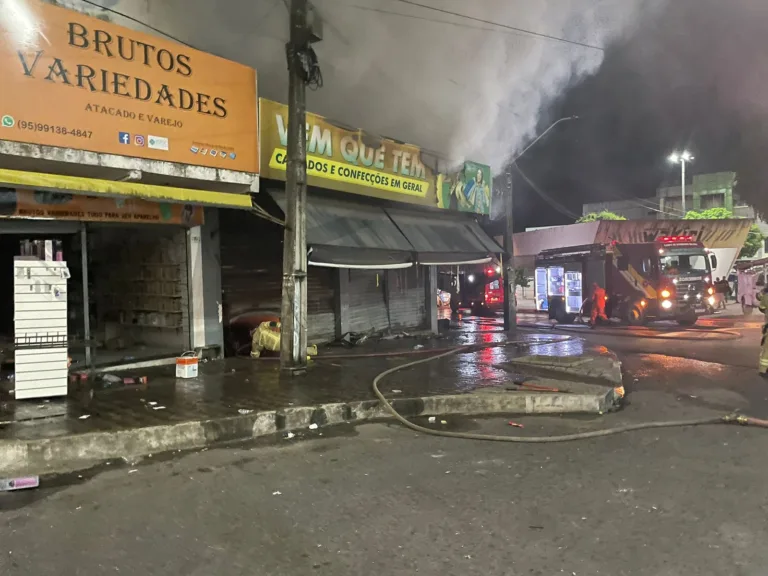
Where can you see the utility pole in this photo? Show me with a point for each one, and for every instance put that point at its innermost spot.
(510, 310)
(293, 342)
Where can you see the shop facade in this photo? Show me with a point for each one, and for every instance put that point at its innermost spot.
(381, 219)
(117, 192)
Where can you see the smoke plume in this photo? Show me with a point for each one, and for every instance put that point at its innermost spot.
(466, 89)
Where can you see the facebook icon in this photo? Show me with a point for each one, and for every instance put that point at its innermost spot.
(124, 137)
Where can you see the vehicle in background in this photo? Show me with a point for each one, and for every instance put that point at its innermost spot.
(670, 279)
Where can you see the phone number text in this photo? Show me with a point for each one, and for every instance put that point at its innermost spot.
(53, 129)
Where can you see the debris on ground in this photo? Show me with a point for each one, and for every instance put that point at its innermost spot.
(432, 419)
(277, 493)
(22, 483)
(397, 391)
(418, 347)
(244, 411)
(84, 417)
(290, 435)
(132, 471)
(313, 426)
(443, 422)
(158, 407)
(515, 424)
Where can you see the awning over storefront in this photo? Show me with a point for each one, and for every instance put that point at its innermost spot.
(447, 239)
(95, 187)
(351, 235)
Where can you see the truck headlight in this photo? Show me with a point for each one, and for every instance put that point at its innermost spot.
(710, 290)
(711, 300)
(698, 296)
(685, 297)
(666, 293)
(666, 304)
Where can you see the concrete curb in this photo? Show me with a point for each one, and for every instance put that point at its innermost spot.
(69, 453)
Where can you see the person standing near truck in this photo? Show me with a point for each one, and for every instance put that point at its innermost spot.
(598, 305)
(763, 366)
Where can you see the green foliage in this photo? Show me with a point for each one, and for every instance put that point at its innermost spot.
(711, 214)
(753, 244)
(595, 216)
(754, 240)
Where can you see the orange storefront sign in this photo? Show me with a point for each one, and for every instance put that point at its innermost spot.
(73, 81)
(62, 206)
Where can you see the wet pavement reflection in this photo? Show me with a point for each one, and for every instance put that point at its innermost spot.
(238, 385)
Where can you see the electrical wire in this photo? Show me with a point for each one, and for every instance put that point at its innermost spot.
(137, 21)
(505, 26)
(546, 197)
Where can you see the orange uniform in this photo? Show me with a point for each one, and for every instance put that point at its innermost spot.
(598, 304)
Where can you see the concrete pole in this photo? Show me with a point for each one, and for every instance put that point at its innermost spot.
(510, 311)
(86, 295)
(293, 345)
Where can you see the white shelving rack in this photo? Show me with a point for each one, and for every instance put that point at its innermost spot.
(40, 327)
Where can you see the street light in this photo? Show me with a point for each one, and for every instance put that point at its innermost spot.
(681, 158)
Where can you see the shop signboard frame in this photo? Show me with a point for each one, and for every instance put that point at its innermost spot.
(78, 82)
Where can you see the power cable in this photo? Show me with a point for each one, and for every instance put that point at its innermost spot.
(500, 25)
(137, 21)
(546, 197)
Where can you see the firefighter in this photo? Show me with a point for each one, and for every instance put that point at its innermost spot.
(763, 367)
(598, 305)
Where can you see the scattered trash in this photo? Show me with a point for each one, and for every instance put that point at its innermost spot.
(313, 426)
(158, 407)
(244, 411)
(418, 347)
(84, 417)
(536, 527)
(111, 378)
(397, 391)
(432, 419)
(129, 381)
(132, 471)
(277, 493)
(443, 422)
(11, 484)
(468, 556)
(187, 365)
(515, 424)
(290, 435)
(151, 403)
(438, 455)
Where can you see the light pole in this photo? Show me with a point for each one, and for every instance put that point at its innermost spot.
(510, 310)
(681, 158)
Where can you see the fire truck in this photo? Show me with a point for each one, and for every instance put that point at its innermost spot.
(669, 279)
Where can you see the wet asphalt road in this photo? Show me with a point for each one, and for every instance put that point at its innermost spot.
(379, 499)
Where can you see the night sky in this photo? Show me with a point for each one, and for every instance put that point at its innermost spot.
(694, 77)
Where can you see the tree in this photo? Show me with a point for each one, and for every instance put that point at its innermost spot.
(755, 237)
(603, 215)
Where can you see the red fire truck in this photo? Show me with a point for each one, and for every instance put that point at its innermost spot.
(670, 279)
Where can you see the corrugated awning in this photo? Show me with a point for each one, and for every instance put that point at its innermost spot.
(445, 239)
(344, 234)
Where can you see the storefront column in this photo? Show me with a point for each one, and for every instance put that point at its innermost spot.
(430, 285)
(86, 302)
(204, 254)
(341, 302)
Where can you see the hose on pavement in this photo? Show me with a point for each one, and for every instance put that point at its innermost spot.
(726, 419)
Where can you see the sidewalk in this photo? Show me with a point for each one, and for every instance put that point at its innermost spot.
(242, 398)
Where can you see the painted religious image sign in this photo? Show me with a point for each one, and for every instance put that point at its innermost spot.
(27, 204)
(348, 160)
(74, 81)
(467, 190)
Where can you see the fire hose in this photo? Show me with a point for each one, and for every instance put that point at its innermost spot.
(732, 418)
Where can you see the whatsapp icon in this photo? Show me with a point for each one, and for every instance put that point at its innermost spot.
(8, 121)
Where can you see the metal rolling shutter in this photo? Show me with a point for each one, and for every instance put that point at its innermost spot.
(367, 309)
(321, 286)
(407, 298)
(252, 276)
